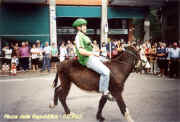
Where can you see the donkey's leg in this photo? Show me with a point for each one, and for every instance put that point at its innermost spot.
(56, 94)
(123, 108)
(54, 102)
(102, 102)
(66, 85)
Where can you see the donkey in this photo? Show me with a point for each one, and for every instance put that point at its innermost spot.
(70, 71)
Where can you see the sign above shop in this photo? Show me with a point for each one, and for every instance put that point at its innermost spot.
(118, 31)
(71, 31)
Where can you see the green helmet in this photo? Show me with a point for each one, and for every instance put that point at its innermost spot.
(79, 22)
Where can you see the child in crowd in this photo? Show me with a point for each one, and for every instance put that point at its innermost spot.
(14, 63)
(5, 67)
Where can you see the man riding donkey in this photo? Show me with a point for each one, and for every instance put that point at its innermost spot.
(70, 71)
(87, 58)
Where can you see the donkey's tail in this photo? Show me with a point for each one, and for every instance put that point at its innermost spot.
(55, 80)
(59, 68)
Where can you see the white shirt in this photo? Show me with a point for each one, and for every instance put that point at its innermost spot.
(104, 51)
(15, 60)
(8, 53)
(174, 53)
(47, 50)
(142, 55)
(63, 51)
(96, 49)
(39, 51)
(34, 52)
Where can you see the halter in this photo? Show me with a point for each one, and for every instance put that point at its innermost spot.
(131, 53)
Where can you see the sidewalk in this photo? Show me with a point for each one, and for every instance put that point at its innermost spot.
(22, 74)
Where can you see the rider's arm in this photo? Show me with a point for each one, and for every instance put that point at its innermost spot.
(85, 52)
(80, 47)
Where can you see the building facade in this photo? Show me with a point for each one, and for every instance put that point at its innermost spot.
(171, 21)
(30, 20)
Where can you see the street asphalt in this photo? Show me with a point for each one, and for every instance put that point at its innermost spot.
(25, 98)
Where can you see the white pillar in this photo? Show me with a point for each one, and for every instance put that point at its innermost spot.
(147, 29)
(104, 22)
(0, 46)
(179, 20)
(52, 14)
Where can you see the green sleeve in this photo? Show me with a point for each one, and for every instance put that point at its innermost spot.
(81, 42)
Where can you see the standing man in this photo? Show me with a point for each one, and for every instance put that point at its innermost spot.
(174, 56)
(24, 56)
(47, 57)
(87, 58)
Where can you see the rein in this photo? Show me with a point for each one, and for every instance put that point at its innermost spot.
(131, 53)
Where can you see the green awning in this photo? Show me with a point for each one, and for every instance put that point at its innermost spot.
(31, 38)
(95, 12)
(24, 22)
(78, 11)
(126, 12)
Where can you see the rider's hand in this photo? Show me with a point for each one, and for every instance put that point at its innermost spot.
(96, 55)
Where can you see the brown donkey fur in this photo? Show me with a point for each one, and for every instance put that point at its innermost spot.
(70, 71)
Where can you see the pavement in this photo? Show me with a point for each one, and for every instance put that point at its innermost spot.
(25, 98)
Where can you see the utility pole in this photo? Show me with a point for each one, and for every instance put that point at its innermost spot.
(52, 14)
(104, 22)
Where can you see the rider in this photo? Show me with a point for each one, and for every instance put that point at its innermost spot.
(86, 57)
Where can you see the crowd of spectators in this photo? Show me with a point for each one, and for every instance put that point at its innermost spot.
(35, 57)
(158, 58)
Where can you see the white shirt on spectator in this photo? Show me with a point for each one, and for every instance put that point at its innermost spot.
(104, 51)
(7, 53)
(34, 52)
(174, 53)
(63, 51)
(39, 51)
(47, 50)
(15, 60)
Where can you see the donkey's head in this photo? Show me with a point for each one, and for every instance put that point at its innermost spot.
(130, 56)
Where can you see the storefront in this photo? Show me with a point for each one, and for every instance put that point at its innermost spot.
(119, 21)
(31, 22)
(24, 22)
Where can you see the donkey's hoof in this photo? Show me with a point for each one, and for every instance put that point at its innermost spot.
(51, 106)
(100, 118)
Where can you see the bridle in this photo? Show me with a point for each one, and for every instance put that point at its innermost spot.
(133, 55)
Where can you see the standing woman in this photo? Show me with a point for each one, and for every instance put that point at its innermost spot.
(7, 56)
(161, 55)
(63, 52)
(144, 59)
(39, 54)
(152, 58)
(34, 58)
(24, 55)
(54, 56)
